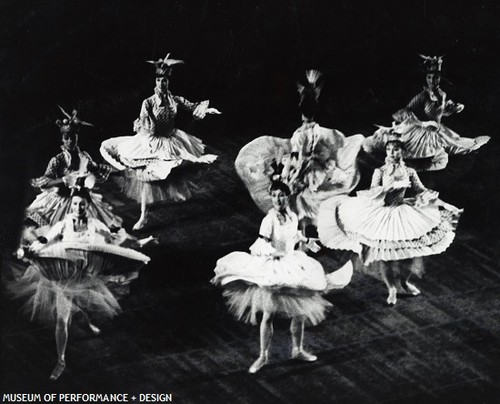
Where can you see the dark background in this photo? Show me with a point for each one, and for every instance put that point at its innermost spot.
(245, 56)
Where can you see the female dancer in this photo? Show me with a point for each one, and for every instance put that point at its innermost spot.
(427, 141)
(158, 147)
(72, 271)
(388, 229)
(62, 173)
(277, 280)
(319, 163)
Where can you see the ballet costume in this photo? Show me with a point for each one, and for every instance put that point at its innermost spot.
(148, 158)
(54, 202)
(383, 224)
(319, 163)
(275, 278)
(76, 271)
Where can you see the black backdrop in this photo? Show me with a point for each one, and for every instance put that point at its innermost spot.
(243, 55)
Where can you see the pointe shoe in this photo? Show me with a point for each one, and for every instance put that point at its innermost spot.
(301, 355)
(148, 240)
(58, 370)
(412, 289)
(140, 223)
(261, 361)
(392, 298)
(94, 330)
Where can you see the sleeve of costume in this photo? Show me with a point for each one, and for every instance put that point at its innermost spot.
(145, 122)
(416, 103)
(424, 196)
(146, 110)
(262, 245)
(414, 109)
(53, 168)
(102, 229)
(184, 103)
(451, 107)
(416, 184)
(101, 171)
(55, 232)
(53, 171)
(376, 178)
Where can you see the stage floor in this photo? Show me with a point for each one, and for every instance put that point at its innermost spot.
(175, 336)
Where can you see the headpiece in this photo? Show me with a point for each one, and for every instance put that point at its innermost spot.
(309, 93)
(81, 188)
(391, 136)
(432, 64)
(279, 172)
(71, 123)
(164, 66)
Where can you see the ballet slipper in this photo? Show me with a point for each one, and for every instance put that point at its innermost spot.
(58, 370)
(301, 355)
(95, 330)
(412, 289)
(392, 298)
(140, 223)
(261, 361)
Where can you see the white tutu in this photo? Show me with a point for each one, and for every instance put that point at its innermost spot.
(427, 144)
(424, 141)
(386, 233)
(294, 271)
(144, 149)
(52, 285)
(149, 161)
(245, 303)
(289, 286)
(76, 276)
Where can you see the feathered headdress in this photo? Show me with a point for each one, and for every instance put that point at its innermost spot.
(71, 123)
(392, 136)
(164, 66)
(432, 64)
(309, 93)
(81, 187)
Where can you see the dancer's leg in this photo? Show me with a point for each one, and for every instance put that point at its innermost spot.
(63, 316)
(142, 219)
(266, 335)
(388, 276)
(297, 332)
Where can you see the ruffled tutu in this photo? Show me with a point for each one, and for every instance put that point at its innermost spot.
(427, 144)
(253, 165)
(135, 151)
(148, 161)
(246, 302)
(74, 276)
(289, 286)
(386, 233)
(176, 188)
(52, 206)
(426, 141)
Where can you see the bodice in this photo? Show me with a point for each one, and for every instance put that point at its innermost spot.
(96, 231)
(282, 235)
(428, 106)
(388, 174)
(158, 115)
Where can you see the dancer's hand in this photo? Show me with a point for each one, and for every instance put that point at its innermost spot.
(148, 240)
(401, 184)
(35, 247)
(213, 111)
